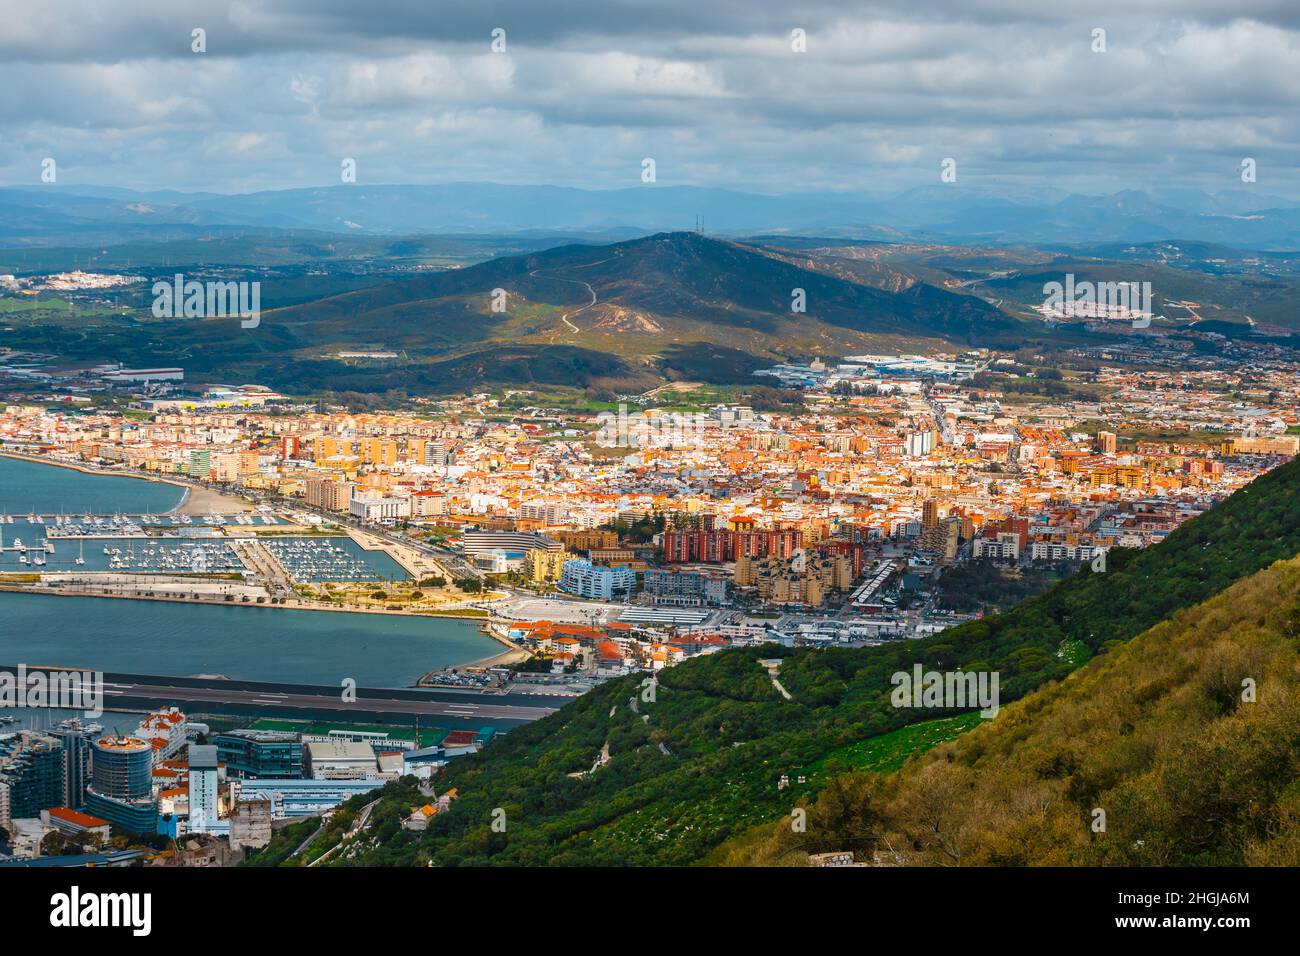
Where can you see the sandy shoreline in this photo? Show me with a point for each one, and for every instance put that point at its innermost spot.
(498, 660)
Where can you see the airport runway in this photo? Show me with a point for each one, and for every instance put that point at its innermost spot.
(380, 705)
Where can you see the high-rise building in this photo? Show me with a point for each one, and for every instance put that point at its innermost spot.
(435, 453)
(204, 811)
(122, 767)
(121, 784)
(379, 451)
(542, 566)
(1107, 442)
(200, 462)
(328, 494)
(942, 538)
(77, 745)
(806, 578)
(722, 545)
(31, 769)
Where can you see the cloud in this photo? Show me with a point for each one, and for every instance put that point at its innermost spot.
(714, 91)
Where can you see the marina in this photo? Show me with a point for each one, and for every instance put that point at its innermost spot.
(129, 533)
(119, 525)
(123, 555)
(332, 560)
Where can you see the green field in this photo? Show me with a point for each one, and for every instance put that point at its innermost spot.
(888, 752)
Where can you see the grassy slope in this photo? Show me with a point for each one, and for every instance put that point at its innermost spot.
(1156, 734)
(729, 736)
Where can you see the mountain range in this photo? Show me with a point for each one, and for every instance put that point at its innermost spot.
(624, 316)
(84, 214)
(644, 303)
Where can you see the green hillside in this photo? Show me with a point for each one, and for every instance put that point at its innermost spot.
(626, 316)
(1187, 739)
(702, 760)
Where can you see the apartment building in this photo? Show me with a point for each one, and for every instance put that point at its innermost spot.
(542, 566)
(587, 580)
(379, 508)
(328, 493)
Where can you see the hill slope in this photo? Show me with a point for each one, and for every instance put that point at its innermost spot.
(701, 761)
(1155, 734)
(644, 304)
(622, 317)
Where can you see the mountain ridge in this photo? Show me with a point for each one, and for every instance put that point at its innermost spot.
(639, 303)
(951, 212)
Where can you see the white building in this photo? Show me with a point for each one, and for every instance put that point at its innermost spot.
(379, 508)
(1056, 552)
(585, 579)
(166, 731)
(1005, 546)
(493, 562)
(339, 760)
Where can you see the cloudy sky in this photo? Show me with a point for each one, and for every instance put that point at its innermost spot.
(1013, 90)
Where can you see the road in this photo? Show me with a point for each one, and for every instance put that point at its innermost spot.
(592, 292)
(358, 825)
(565, 317)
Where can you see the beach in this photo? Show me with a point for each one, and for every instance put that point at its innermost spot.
(205, 501)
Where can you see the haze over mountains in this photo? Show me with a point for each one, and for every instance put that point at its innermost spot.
(71, 214)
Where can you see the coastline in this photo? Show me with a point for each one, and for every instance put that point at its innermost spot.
(14, 588)
(198, 500)
(195, 500)
(411, 650)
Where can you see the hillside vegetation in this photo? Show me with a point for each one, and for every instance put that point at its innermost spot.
(625, 316)
(702, 760)
(1187, 739)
